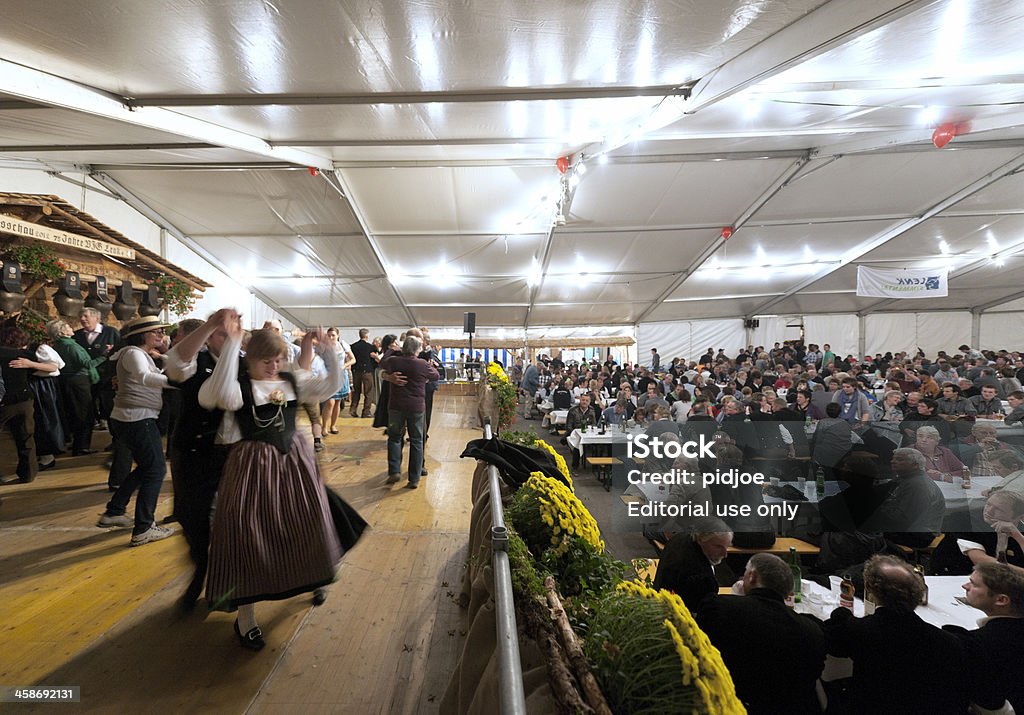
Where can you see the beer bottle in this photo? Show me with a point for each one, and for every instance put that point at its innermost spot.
(1002, 541)
(967, 478)
(794, 566)
(819, 482)
(846, 593)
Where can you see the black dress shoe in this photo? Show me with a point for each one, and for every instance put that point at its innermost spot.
(80, 452)
(319, 596)
(423, 472)
(253, 640)
(44, 467)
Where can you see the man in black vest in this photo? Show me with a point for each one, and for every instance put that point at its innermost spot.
(99, 341)
(362, 373)
(197, 461)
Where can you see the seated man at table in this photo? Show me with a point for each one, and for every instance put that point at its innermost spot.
(901, 664)
(960, 551)
(993, 650)
(987, 405)
(839, 533)
(912, 513)
(952, 403)
(977, 450)
(1016, 402)
(747, 628)
(618, 413)
(687, 566)
(1010, 467)
(927, 414)
(661, 422)
(650, 399)
(580, 417)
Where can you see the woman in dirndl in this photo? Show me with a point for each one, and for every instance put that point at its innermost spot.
(273, 536)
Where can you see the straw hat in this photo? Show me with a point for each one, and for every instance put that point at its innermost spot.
(142, 325)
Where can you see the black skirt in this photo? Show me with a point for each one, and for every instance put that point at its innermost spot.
(49, 428)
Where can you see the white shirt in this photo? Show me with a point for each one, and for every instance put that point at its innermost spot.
(223, 391)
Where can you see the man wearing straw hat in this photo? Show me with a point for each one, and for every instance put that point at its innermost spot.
(133, 423)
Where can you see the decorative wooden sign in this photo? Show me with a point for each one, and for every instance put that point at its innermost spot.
(26, 229)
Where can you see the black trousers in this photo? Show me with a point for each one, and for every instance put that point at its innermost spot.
(196, 476)
(428, 395)
(19, 418)
(78, 403)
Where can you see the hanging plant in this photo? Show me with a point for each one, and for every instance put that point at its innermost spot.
(38, 260)
(177, 294)
(34, 324)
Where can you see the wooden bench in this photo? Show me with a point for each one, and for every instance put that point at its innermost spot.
(603, 469)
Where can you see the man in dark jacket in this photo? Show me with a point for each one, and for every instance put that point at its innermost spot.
(197, 461)
(406, 408)
(362, 374)
(687, 565)
(901, 664)
(99, 341)
(746, 627)
(993, 650)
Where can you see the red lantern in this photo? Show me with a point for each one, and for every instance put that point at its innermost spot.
(313, 171)
(562, 164)
(726, 232)
(943, 134)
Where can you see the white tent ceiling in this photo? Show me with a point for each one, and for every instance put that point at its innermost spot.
(435, 128)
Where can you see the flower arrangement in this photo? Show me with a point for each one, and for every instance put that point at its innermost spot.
(504, 393)
(34, 324)
(563, 468)
(649, 656)
(277, 398)
(38, 260)
(176, 293)
(550, 514)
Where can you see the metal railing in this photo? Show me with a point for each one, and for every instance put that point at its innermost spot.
(510, 672)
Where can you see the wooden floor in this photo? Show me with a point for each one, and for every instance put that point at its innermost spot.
(81, 608)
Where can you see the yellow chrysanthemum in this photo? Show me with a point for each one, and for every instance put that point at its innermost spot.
(563, 468)
(560, 509)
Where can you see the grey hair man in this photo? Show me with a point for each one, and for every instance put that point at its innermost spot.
(406, 408)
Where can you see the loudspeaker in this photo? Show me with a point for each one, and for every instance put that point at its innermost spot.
(469, 322)
(751, 323)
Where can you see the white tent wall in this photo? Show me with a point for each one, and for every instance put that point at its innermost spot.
(931, 332)
(838, 331)
(122, 217)
(773, 329)
(1002, 330)
(688, 339)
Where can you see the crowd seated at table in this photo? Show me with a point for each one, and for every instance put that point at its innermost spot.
(898, 435)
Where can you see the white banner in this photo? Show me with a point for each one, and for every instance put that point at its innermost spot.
(16, 227)
(902, 282)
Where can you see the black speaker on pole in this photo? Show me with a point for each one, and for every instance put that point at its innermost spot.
(469, 322)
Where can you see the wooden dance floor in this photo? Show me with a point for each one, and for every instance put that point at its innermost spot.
(81, 608)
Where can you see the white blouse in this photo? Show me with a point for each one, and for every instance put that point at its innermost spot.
(44, 353)
(223, 391)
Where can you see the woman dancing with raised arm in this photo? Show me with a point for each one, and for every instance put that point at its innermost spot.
(272, 536)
